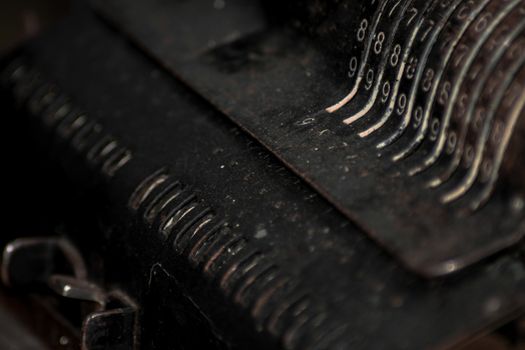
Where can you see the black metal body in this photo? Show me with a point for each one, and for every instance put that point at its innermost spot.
(218, 242)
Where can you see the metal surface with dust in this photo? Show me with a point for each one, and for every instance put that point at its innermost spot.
(363, 100)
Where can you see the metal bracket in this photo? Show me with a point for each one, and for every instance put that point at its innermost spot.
(40, 264)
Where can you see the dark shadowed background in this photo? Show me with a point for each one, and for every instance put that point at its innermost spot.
(20, 19)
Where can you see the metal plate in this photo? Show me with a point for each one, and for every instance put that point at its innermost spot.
(277, 84)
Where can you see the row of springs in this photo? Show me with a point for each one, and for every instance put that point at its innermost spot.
(245, 274)
(67, 122)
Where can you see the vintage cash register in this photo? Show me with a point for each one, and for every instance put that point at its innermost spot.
(234, 174)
